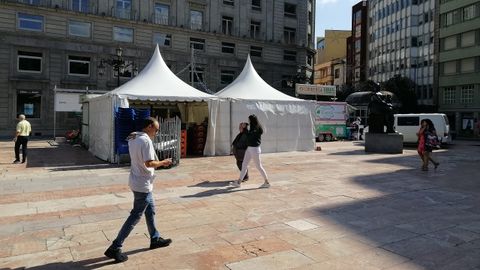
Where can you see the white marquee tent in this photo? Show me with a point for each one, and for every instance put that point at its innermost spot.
(287, 121)
(155, 83)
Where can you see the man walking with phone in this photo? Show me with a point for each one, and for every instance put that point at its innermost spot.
(142, 172)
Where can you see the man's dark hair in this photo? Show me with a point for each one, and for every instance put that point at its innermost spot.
(148, 121)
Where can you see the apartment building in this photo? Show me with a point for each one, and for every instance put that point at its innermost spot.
(331, 53)
(357, 70)
(48, 43)
(459, 64)
(401, 42)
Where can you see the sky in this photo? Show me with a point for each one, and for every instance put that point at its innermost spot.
(333, 14)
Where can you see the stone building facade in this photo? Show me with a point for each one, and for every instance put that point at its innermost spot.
(48, 43)
(401, 42)
(459, 64)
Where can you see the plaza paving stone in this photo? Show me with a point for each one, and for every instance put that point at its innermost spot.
(338, 208)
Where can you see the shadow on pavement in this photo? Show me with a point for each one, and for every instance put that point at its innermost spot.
(63, 155)
(94, 263)
(427, 218)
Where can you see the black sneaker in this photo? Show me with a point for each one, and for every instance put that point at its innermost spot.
(159, 242)
(116, 254)
(16, 161)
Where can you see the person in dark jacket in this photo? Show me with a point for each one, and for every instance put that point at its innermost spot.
(254, 140)
(239, 146)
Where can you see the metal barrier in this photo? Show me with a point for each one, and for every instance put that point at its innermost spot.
(167, 141)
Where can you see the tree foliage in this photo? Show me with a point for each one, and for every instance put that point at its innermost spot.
(404, 89)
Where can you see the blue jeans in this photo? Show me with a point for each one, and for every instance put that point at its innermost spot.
(143, 202)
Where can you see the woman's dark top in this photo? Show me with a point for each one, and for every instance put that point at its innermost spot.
(239, 145)
(255, 136)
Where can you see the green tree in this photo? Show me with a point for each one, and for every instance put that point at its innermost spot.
(404, 89)
(344, 91)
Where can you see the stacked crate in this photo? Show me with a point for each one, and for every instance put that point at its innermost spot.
(197, 138)
(183, 143)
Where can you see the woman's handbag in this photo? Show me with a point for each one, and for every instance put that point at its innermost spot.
(432, 141)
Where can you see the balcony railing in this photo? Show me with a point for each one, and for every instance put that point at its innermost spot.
(161, 19)
(196, 26)
(123, 13)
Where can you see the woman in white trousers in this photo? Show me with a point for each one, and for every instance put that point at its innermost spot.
(254, 140)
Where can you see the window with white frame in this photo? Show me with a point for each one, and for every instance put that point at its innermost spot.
(466, 94)
(123, 34)
(229, 2)
(78, 65)
(467, 65)
(163, 40)
(227, 76)
(256, 51)
(196, 20)
(227, 25)
(80, 5)
(228, 47)
(469, 12)
(79, 29)
(161, 13)
(289, 55)
(30, 22)
(289, 35)
(449, 95)
(123, 8)
(197, 44)
(255, 29)
(29, 62)
(257, 5)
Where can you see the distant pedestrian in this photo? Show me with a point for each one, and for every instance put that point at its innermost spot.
(23, 131)
(425, 148)
(254, 136)
(239, 146)
(143, 164)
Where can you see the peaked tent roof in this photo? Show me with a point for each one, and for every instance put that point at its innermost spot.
(157, 82)
(250, 86)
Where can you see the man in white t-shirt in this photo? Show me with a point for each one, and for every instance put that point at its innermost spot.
(142, 172)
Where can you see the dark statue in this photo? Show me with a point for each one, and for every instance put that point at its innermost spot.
(380, 113)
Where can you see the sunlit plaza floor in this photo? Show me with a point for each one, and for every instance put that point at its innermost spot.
(338, 208)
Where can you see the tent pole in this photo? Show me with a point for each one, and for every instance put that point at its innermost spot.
(192, 66)
(230, 103)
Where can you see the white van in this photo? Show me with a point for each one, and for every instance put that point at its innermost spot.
(409, 124)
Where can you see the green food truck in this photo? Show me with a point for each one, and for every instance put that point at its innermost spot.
(330, 120)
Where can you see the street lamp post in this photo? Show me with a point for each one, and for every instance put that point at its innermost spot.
(118, 63)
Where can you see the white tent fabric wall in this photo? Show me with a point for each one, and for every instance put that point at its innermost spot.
(101, 129)
(285, 125)
(288, 121)
(156, 82)
(219, 133)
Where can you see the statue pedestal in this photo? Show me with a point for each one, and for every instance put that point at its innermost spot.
(383, 143)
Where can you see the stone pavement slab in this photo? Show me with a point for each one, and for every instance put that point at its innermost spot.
(338, 208)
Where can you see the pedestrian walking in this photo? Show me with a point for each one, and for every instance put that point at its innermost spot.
(239, 146)
(23, 131)
(425, 135)
(254, 140)
(142, 172)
